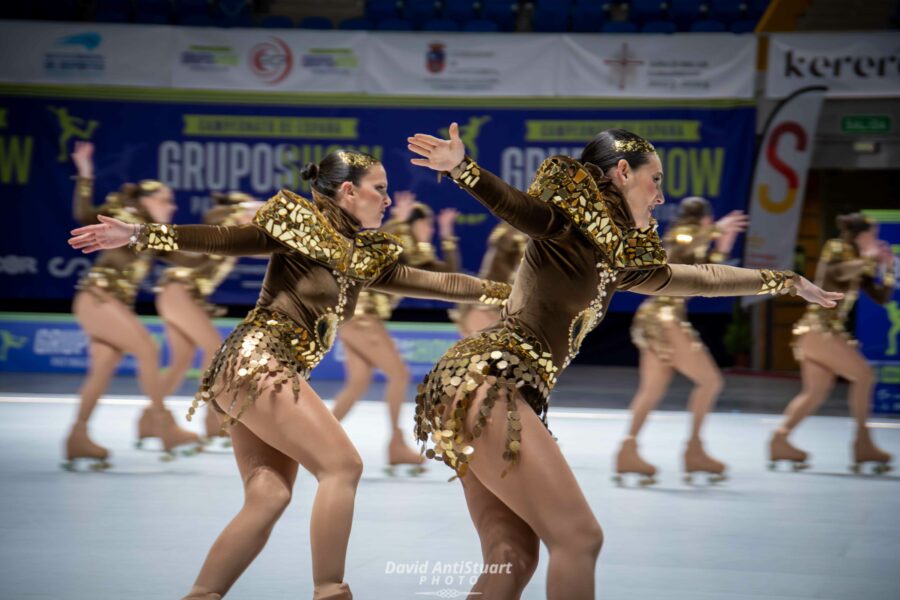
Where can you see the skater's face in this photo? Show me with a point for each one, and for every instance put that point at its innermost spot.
(642, 188)
(867, 239)
(368, 200)
(160, 205)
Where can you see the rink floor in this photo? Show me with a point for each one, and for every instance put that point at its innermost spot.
(142, 529)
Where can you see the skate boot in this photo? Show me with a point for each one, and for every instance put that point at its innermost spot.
(400, 455)
(175, 439)
(79, 446)
(781, 449)
(146, 429)
(696, 460)
(629, 461)
(202, 596)
(865, 451)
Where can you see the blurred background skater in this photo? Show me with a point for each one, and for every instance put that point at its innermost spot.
(668, 343)
(855, 261)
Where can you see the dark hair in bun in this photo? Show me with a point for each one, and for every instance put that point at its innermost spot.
(310, 171)
(692, 209)
(851, 225)
(336, 168)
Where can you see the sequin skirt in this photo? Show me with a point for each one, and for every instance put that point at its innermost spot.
(506, 358)
(818, 320)
(654, 317)
(101, 280)
(267, 345)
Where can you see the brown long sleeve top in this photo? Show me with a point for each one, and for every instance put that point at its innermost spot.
(584, 247)
(320, 261)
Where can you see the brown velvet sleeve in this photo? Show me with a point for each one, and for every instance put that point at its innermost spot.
(707, 280)
(530, 215)
(403, 280)
(83, 208)
(880, 291)
(234, 240)
(452, 262)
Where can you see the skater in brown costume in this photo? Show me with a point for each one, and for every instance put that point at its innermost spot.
(483, 406)
(104, 307)
(853, 262)
(182, 301)
(257, 382)
(368, 344)
(668, 343)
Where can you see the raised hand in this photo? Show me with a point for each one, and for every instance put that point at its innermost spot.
(83, 157)
(816, 295)
(733, 223)
(446, 219)
(438, 154)
(403, 202)
(107, 234)
(885, 254)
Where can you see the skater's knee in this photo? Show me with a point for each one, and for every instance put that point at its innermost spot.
(583, 536)
(398, 373)
(712, 382)
(866, 376)
(346, 467)
(265, 488)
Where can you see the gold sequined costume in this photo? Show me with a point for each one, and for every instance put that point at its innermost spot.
(687, 244)
(842, 269)
(320, 262)
(583, 247)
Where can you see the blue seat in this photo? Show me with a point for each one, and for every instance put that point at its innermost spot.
(232, 11)
(276, 22)
(659, 27)
(502, 12)
(196, 21)
(743, 26)
(685, 12)
(394, 25)
(550, 20)
(480, 25)
(357, 24)
(726, 11)
(587, 18)
(459, 10)
(186, 8)
(563, 5)
(440, 25)
(644, 11)
(619, 27)
(378, 10)
(419, 11)
(243, 20)
(758, 9)
(708, 26)
(320, 23)
(111, 16)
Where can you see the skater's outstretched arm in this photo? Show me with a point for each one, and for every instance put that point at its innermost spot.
(528, 214)
(403, 280)
(83, 209)
(723, 280)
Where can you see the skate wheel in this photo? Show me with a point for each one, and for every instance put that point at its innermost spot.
(856, 468)
(882, 468)
(800, 466)
(226, 443)
(100, 465)
(773, 465)
(718, 477)
(646, 481)
(618, 479)
(416, 470)
(167, 457)
(68, 466)
(689, 479)
(139, 445)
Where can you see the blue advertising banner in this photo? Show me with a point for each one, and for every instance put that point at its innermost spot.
(878, 327)
(199, 142)
(47, 343)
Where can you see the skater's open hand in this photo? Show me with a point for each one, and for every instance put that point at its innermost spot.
(107, 234)
(446, 219)
(816, 295)
(83, 157)
(440, 155)
(403, 203)
(733, 223)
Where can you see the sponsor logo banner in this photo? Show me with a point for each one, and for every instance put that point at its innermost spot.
(849, 64)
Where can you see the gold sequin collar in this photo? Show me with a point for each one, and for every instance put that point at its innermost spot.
(599, 212)
(299, 224)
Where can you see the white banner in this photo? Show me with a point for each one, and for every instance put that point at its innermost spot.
(848, 64)
(703, 65)
(460, 64)
(266, 59)
(82, 53)
(779, 182)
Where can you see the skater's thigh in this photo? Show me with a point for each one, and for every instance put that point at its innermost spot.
(252, 454)
(835, 354)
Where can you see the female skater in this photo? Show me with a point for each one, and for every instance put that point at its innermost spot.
(505, 248)
(258, 379)
(591, 234)
(182, 300)
(825, 349)
(668, 343)
(104, 307)
(367, 343)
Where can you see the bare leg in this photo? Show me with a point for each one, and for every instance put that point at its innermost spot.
(505, 540)
(694, 362)
(306, 431)
(655, 377)
(79, 444)
(542, 490)
(268, 477)
(359, 376)
(181, 354)
(185, 320)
